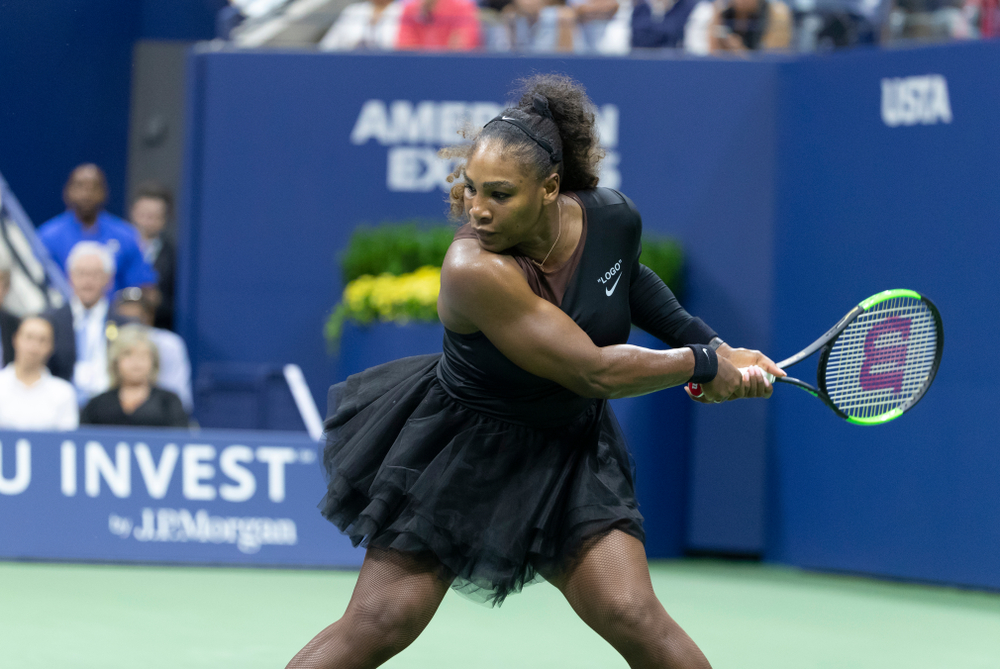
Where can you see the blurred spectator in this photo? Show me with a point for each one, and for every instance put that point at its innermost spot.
(659, 24)
(834, 24)
(8, 321)
(988, 17)
(536, 26)
(83, 325)
(85, 220)
(697, 27)
(750, 25)
(151, 210)
(373, 24)
(439, 24)
(923, 19)
(604, 25)
(228, 19)
(133, 363)
(175, 367)
(30, 397)
(938, 20)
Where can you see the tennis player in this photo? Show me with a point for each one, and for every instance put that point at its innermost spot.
(500, 462)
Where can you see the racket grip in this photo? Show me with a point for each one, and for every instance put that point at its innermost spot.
(697, 391)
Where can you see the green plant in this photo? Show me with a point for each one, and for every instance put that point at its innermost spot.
(394, 248)
(664, 256)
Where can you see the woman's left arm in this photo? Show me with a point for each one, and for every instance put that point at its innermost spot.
(656, 310)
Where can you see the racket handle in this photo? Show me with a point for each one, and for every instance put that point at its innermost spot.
(697, 391)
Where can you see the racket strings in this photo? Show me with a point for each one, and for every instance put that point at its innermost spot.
(883, 359)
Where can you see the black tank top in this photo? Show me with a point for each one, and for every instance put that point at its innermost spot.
(474, 372)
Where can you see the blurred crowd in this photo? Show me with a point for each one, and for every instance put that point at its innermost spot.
(107, 355)
(608, 27)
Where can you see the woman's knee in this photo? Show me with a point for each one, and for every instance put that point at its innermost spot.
(631, 613)
(387, 625)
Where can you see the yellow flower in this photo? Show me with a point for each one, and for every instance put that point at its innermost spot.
(400, 298)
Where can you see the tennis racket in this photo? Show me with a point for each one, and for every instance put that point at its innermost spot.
(877, 362)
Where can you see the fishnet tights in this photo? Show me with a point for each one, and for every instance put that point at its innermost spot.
(610, 589)
(394, 599)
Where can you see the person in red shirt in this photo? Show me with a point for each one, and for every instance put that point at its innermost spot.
(439, 24)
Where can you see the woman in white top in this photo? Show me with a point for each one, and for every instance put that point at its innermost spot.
(364, 25)
(30, 397)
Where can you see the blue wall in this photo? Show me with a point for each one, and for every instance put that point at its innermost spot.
(65, 72)
(863, 207)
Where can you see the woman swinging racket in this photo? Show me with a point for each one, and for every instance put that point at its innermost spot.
(500, 461)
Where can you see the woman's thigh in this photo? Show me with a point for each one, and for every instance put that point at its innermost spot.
(396, 592)
(609, 587)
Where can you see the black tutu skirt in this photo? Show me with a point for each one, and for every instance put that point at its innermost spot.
(498, 504)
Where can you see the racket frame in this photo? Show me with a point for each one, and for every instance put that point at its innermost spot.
(826, 344)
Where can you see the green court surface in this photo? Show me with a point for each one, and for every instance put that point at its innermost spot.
(743, 616)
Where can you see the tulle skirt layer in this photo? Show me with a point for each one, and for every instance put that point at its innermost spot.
(497, 504)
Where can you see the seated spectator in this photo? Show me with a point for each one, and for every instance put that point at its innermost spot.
(604, 25)
(228, 19)
(134, 399)
(151, 209)
(175, 367)
(373, 24)
(439, 25)
(749, 25)
(697, 27)
(656, 25)
(536, 26)
(929, 20)
(85, 220)
(30, 397)
(83, 325)
(831, 24)
(983, 18)
(8, 321)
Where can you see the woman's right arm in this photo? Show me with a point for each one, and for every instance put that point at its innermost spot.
(487, 292)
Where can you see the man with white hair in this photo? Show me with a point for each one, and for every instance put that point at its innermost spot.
(83, 325)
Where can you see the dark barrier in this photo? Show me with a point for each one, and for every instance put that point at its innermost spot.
(888, 177)
(166, 496)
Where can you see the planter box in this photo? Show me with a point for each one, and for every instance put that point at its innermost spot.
(657, 425)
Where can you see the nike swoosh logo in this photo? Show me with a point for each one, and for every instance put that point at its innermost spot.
(608, 291)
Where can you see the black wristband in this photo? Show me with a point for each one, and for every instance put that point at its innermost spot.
(706, 363)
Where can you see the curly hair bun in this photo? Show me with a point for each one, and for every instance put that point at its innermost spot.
(565, 101)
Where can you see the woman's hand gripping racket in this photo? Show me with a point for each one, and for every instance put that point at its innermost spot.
(877, 361)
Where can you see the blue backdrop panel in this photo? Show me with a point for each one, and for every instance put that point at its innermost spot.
(66, 72)
(166, 496)
(289, 152)
(65, 69)
(866, 205)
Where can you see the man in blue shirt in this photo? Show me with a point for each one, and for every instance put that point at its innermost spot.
(85, 220)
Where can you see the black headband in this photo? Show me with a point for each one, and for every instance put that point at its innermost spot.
(554, 155)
